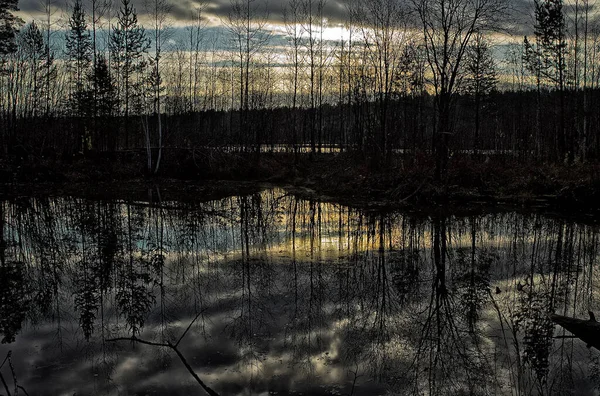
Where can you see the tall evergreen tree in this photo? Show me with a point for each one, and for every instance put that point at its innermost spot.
(480, 78)
(105, 102)
(548, 60)
(128, 45)
(35, 49)
(8, 25)
(79, 54)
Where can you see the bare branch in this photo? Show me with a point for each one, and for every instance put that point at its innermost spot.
(174, 348)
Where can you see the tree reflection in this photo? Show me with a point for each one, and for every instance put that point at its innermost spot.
(304, 291)
(13, 290)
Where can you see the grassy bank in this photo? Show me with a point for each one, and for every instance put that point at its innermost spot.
(346, 178)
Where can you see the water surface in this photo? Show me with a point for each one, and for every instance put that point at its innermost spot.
(291, 296)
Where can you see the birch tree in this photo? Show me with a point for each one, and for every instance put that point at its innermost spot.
(384, 27)
(159, 11)
(246, 25)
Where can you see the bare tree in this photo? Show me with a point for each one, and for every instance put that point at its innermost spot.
(448, 27)
(158, 11)
(384, 27)
(196, 33)
(292, 18)
(246, 24)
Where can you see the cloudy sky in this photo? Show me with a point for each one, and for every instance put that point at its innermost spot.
(184, 11)
(216, 11)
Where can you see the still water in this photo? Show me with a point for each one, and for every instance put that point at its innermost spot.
(281, 295)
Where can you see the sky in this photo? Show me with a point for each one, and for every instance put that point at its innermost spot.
(183, 12)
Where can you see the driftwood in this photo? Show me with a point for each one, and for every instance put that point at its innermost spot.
(586, 330)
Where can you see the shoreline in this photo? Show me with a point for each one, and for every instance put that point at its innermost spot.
(497, 183)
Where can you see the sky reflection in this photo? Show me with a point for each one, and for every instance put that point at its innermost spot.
(294, 297)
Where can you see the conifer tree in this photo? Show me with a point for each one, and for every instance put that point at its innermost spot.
(79, 55)
(105, 102)
(9, 24)
(548, 59)
(480, 78)
(128, 46)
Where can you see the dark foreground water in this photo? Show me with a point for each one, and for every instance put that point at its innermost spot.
(291, 297)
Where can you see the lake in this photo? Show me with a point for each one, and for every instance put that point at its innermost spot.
(273, 294)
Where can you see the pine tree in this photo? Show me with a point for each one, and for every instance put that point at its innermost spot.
(105, 102)
(9, 24)
(79, 54)
(35, 48)
(550, 34)
(101, 77)
(480, 78)
(128, 45)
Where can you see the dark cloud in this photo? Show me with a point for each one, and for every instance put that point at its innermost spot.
(185, 10)
(335, 10)
(519, 23)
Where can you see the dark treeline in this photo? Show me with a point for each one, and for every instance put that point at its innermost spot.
(419, 77)
(506, 126)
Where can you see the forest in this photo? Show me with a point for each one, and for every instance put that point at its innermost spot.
(421, 83)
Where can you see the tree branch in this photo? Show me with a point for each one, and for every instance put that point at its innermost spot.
(174, 348)
(5, 384)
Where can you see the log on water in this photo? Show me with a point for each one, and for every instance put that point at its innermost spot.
(586, 330)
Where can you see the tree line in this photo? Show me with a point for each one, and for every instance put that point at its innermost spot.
(424, 76)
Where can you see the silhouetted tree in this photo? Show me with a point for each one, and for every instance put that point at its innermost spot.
(79, 52)
(128, 46)
(9, 24)
(480, 78)
(550, 33)
(448, 28)
(105, 103)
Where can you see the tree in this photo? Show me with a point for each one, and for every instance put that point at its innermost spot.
(128, 44)
(52, 94)
(480, 77)
(546, 59)
(249, 36)
(9, 24)
(550, 33)
(292, 18)
(311, 47)
(196, 33)
(448, 28)
(34, 48)
(79, 52)
(384, 32)
(105, 102)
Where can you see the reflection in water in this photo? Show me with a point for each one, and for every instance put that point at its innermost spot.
(293, 296)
